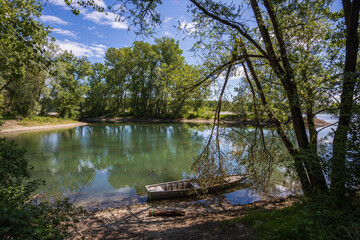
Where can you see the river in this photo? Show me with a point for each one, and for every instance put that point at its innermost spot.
(111, 164)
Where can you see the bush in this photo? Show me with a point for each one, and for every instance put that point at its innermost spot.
(20, 216)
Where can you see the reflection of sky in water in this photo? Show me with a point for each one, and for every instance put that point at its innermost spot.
(324, 136)
(242, 197)
(120, 159)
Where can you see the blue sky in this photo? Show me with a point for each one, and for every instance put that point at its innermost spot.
(90, 33)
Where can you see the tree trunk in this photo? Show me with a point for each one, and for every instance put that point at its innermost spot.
(338, 170)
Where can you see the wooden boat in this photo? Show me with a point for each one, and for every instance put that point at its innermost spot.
(183, 188)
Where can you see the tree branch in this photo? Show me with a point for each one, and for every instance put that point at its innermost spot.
(227, 23)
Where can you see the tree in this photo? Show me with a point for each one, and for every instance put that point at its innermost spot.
(149, 79)
(98, 94)
(351, 13)
(69, 84)
(22, 38)
(21, 55)
(24, 94)
(21, 217)
(118, 62)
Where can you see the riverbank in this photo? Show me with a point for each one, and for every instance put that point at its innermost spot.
(202, 220)
(14, 126)
(224, 120)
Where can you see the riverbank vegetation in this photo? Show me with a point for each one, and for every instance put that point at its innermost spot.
(294, 59)
(306, 220)
(44, 120)
(21, 216)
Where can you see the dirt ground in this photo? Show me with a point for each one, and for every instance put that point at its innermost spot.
(13, 126)
(201, 221)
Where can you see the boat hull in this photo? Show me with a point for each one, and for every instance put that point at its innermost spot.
(184, 188)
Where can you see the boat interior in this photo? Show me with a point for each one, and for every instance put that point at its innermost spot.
(181, 185)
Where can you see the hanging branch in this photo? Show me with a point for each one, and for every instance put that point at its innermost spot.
(257, 120)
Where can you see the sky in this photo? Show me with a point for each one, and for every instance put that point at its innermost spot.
(90, 33)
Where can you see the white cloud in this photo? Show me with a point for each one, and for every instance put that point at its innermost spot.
(56, 3)
(168, 19)
(101, 3)
(187, 26)
(53, 19)
(99, 35)
(64, 32)
(81, 49)
(169, 34)
(101, 18)
(91, 28)
(109, 19)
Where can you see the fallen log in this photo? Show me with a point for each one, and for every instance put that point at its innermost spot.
(166, 213)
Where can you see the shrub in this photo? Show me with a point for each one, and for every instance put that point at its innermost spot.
(22, 217)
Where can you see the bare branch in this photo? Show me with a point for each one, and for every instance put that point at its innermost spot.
(328, 126)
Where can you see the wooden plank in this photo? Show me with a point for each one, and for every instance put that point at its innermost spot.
(166, 213)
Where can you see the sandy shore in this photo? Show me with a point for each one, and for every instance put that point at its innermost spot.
(13, 126)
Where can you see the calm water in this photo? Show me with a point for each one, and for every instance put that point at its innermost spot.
(116, 161)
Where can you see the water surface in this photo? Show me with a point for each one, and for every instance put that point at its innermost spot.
(111, 164)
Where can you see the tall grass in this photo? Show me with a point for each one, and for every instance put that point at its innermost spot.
(44, 120)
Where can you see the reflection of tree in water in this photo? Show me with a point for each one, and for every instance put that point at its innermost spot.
(153, 153)
(133, 155)
(253, 150)
(265, 158)
(56, 160)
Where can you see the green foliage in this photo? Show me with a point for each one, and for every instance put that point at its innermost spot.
(98, 94)
(146, 80)
(22, 38)
(22, 43)
(69, 84)
(25, 93)
(1, 108)
(308, 220)
(20, 216)
(353, 152)
(202, 113)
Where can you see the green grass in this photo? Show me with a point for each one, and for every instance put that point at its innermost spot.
(229, 117)
(306, 221)
(197, 115)
(48, 120)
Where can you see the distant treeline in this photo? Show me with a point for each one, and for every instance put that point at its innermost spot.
(142, 80)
